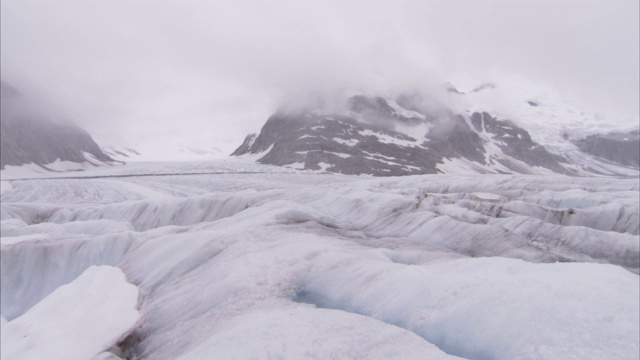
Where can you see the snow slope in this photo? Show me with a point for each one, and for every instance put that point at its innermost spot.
(76, 321)
(553, 119)
(243, 261)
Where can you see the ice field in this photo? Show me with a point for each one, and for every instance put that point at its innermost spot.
(233, 260)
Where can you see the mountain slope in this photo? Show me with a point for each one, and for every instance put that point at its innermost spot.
(377, 136)
(617, 147)
(28, 137)
(413, 135)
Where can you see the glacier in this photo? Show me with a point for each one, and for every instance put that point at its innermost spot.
(232, 259)
(75, 321)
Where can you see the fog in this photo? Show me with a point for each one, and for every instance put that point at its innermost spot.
(164, 75)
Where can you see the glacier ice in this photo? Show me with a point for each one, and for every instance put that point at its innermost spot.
(76, 321)
(234, 261)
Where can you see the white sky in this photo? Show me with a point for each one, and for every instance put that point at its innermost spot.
(171, 74)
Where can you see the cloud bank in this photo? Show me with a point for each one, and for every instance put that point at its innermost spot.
(207, 72)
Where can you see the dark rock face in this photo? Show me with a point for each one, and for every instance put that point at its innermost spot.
(246, 145)
(119, 153)
(516, 142)
(373, 139)
(621, 148)
(344, 144)
(457, 140)
(28, 138)
(378, 111)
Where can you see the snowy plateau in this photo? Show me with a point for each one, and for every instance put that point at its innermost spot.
(231, 259)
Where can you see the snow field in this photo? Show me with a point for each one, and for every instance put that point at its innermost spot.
(297, 266)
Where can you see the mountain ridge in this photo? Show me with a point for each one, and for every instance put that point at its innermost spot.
(30, 137)
(382, 137)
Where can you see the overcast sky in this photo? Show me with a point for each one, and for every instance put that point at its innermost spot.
(205, 73)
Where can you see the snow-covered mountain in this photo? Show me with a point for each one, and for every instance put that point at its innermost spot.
(411, 134)
(30, 138)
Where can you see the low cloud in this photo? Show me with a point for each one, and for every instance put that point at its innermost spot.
(210, 72)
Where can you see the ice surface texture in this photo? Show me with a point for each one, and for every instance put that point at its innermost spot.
(298, 265)
(76, 321)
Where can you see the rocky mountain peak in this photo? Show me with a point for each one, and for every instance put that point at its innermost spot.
(379, 136)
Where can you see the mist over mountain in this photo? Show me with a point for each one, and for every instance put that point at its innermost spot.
(29, 136)
(223, 70)
(447, 132)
